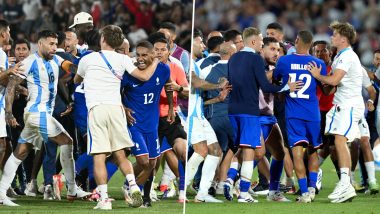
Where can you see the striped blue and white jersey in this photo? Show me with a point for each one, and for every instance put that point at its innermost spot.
(42, 79)
(3, 66)
(195, 98)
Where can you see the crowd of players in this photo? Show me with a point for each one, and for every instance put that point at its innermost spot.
(81, 100)
(279, 106)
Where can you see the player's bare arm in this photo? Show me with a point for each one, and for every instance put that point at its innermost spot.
(372, 94)
(182, 90)
(4, 74)
(334, 79)
(128, 112)
(169, 95)
(196, 82)
(221, 97)
(146, 74)
(14, 81)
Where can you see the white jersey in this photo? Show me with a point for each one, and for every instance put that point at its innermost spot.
(349, 90)
(101, 85)
(3, 66)
(42, 79)
(195, 98)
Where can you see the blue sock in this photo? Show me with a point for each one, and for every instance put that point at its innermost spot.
(302, 183)
(275, 174)
(141, 187)
(313, 176)
(232, 173)
(181, 172)
(244, 185)
(255, 162)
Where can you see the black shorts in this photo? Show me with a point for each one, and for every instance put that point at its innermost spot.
(170, 131)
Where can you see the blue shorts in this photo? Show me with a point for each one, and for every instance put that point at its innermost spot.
(302, 131)
(267, 123)
(145, 143)
(246, 130)
(165, 146)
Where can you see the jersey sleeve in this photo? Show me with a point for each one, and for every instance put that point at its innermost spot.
(366, 80)
(205, 72)
(180, 77)
(261, 77)
(82, 66)
(125, 80)
(3, 60)
(129, 66)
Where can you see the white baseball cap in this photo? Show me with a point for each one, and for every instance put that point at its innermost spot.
(82, 18)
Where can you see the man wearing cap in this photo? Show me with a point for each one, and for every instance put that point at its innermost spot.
(83, 22)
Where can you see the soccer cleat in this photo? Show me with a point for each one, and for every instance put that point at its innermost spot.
(181, 201)
(11, 193)
(342, 193)
(125, 190)
(319, 180)
(136, 199)
(291, 190)
(248, 199)
(95, 196)
(228, 191)
(103, 205)
(4, 200)
(78, 194)
(146, 203)
(220, 188)
(153, 195)
(373, 188)
(48, 193)
(206, 198)
(261, 189)
(277, 196)
(31, 189)
(311, 193)
(41, 189)
(304, 198)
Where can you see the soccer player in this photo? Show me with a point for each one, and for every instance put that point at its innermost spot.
(83, 22)
(235, 37)
(101, 73)
(41, 72)
(302, 112)
(201, 135)
(142, 98)
(342, 120)
(246, 73)
(213, 45)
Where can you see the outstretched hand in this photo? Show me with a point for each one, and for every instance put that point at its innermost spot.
(314, 69)
(295, 86)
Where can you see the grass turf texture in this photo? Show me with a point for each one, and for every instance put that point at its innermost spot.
(363, 203)
(36, 205)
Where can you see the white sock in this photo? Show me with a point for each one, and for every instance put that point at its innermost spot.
(132, 182)
(192, 167)
(68, 166)
(9, 173)
(321, 160)
(370, 167)
(246, 172)
(103, 191)
(181, 195)
(208, 173)
(166, 176)
(344, 176)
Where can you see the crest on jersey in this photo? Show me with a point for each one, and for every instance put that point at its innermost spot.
(157, 81)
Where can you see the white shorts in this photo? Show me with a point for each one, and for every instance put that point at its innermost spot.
(363, 127)
(3, 124)
(201, 130)
(107, 129)
(39, 127)
(344, 120)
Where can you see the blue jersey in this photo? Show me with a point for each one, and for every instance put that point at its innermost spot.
(302, 104)
(143, 97)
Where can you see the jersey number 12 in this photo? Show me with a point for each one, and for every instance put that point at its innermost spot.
(300, 93)
(148, 98)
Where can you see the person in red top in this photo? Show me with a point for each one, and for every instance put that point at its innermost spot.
(175, 145)
(322, 50)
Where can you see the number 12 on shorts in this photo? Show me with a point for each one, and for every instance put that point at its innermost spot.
(300, 93)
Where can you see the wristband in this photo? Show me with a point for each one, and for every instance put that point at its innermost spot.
(371, 101)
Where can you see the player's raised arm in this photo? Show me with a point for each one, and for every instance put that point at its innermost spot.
(146, 74)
